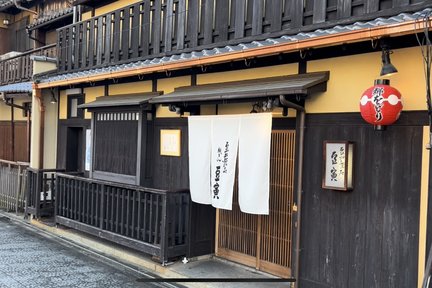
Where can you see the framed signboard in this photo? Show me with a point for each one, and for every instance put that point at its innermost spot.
(170, 142)
(338, 165)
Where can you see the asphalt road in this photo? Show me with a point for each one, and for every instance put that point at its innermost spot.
(31, 259)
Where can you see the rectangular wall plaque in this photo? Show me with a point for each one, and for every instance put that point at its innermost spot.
(338, 165)
(170, 142)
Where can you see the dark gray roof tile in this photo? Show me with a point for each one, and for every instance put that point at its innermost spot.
(51, 16)
(23, 87)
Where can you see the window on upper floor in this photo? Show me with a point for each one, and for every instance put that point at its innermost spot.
(73, 102)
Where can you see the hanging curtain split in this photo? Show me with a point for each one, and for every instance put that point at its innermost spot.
(254, 163)
(224, 144)
(199, 158)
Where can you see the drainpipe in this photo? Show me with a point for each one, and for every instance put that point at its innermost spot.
(12, 132)
(17, 5)
(29, 34)
(301, 127)
(38, 96)
(301, 113)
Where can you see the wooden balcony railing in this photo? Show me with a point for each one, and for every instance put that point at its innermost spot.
(12, 185)
(160, 27)
(152, 221)
(20, 68)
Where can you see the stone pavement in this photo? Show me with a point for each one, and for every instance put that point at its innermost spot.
(201, 267)
(28, 259)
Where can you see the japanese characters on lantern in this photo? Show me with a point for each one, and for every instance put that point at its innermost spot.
(381, 105)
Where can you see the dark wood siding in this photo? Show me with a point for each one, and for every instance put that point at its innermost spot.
(180, 25)
(21, 142)
(20, 135)
(5, 140)
(18, 38)
(170, 172)
(116, 143)
(4, 45)
(62, 139)
(367, 237)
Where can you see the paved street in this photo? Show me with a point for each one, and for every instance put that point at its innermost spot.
(28, 259)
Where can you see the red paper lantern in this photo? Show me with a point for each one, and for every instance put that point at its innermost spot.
(381, 104)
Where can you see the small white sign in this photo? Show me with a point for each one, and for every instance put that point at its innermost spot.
(88, 150)
(170, 142)
(337, 165)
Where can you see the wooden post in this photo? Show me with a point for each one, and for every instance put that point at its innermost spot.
(164, 234)
(258, 244)
(102, 206)
(18, 190)
(12, 141)
(36, 193)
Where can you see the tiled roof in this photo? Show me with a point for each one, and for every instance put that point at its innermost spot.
(5, 4)
(403, 17)
(51, 16)
(23, 87)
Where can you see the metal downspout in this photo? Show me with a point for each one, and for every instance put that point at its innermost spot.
(301, 127)
(12, 132)
(24, 9)
(299, 191)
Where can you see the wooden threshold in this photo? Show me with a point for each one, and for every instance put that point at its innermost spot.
(268, 267)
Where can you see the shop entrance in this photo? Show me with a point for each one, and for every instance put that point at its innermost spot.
(263, 241)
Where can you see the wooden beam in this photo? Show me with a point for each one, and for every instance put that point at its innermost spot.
(400, 29)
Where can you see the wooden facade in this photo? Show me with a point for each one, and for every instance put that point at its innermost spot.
(153, 28)
(71, 144)
(264, 241)
(367, 237)
(18, 149)
(20, 68)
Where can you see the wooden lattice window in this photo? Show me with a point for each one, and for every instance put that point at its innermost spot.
(116, 145)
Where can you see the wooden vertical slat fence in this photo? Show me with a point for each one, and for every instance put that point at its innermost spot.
(40, 188)
(12, 185)
(155, 27)
(264, 241)
(150, 220)
(20, 68)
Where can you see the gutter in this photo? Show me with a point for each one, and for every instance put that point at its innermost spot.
(24, 9)
(360, 35)
(300, 129)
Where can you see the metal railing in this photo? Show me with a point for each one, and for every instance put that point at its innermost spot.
(12, 185)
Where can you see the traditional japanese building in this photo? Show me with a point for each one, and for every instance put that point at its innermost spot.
(131, 76)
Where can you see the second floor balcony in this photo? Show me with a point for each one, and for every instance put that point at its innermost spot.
(19, 68)
(155, 28)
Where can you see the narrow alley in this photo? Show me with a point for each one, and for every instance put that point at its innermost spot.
(28, 259)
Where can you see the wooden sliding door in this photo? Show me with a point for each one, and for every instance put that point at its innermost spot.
(263, 241)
